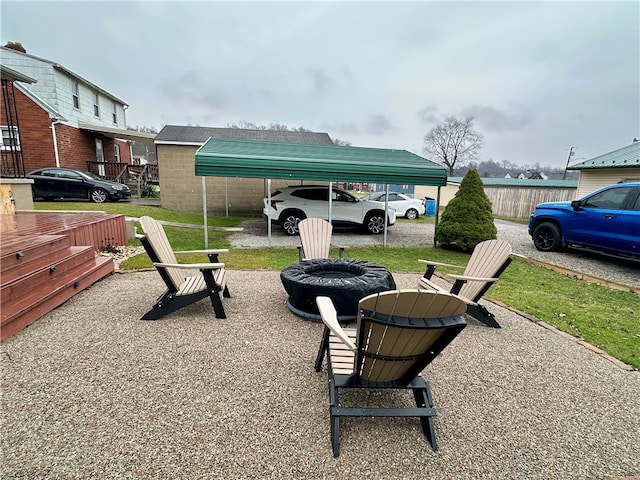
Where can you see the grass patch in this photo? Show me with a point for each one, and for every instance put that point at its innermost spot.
(600, 315)
(132, 210)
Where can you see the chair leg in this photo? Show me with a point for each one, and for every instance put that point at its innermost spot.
(335, 419)
(480, 313)
(324, 344)
(423, 399)
(225, 292)
(214, 294)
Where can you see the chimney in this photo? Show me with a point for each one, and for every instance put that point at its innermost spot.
(16, 46)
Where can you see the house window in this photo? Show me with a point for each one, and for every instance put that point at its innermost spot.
(116, 151)
(75, 93)
(100, 157)
(114, 114)
(96, 105)
(10, 138)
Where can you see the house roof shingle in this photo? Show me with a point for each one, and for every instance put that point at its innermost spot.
(190, 135)
(625, 157)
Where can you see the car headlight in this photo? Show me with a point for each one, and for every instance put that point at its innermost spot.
(117, 187)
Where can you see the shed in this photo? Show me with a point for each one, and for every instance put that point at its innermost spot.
(622, 164)
(176, 146)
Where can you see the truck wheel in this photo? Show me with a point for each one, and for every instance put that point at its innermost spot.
(547, 237)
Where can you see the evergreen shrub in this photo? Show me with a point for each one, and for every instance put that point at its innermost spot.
(467, 220)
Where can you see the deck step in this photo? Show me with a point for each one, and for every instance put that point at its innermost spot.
(38, 274)
(16, 253)
(19, 314)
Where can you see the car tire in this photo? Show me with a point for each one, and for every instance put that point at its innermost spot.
(411, 214)
(99, 195)
(289, 223)
(547, 237)
(375, 223)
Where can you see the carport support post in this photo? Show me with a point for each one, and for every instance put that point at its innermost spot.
(204, 209)
(269, 209)
(386, 213)
(436, 217)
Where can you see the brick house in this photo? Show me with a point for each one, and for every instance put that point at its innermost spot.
(60, 120)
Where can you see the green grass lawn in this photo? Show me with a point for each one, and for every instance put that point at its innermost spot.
(602, 316)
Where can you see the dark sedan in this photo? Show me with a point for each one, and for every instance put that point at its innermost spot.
(50, 183)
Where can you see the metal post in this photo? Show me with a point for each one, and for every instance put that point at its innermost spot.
(204, 208)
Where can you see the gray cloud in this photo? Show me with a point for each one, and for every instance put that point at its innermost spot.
(493, 119)
(428, 114)
(321, 82)
(379, 125)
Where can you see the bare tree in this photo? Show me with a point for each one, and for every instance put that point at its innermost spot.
(342, 143)
(453, 143)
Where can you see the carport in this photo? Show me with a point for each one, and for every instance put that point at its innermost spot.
(329, 163)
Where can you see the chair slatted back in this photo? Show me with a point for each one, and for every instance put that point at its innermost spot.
(315, 236)
(486, 261)
(399, 332)
(160, 243)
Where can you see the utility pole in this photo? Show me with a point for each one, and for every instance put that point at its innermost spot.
(571, 152)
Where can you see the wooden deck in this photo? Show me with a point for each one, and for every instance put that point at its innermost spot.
(46, 258)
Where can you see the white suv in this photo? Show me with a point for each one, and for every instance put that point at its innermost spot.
(291, 204)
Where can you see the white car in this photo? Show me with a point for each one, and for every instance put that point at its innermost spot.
(291, 204)
(404, 205)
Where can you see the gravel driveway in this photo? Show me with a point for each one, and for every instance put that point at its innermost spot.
(406, 233)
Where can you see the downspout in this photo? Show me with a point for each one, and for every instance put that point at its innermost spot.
(54, 122)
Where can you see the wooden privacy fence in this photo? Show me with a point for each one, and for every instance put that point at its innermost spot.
(519, 202)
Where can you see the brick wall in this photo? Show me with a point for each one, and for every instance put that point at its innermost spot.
(181, 190)
(36, 140)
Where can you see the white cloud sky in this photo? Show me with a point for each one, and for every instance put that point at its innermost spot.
(539, 77)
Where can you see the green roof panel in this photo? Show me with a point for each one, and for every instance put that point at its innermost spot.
(625, 157)
(252, 159)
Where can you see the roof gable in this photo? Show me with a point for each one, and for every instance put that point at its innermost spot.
(625, 157)
(190, 135)
(9, 53)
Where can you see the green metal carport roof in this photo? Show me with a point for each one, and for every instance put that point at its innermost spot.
(331, 163)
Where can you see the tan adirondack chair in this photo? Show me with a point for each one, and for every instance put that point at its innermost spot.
(398, 334)
(186, 283)
(315, 239)
(488, 260)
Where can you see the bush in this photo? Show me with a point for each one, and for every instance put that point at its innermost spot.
(149, 190)
(467, 220)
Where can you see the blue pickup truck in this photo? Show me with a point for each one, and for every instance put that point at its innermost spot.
(607, 220)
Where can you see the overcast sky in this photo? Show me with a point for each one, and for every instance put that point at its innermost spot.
(538, 77)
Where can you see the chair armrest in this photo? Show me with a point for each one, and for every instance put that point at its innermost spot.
(330, 319)
(471, 279)
(191, 266)
(429, 262)
(431, 267)
(212, 251)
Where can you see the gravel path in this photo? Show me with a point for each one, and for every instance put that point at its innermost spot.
(624, 271)
(90, 391)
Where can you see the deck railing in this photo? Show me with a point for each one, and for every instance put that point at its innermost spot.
(125, 173)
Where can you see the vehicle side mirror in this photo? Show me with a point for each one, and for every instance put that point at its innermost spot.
(576, 204)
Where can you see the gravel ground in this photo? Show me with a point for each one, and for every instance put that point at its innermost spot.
(90, 391)
(625, 271)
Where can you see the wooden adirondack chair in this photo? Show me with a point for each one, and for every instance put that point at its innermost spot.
(185, 285)
(488, 260)
(398, 334)
(315, 239)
